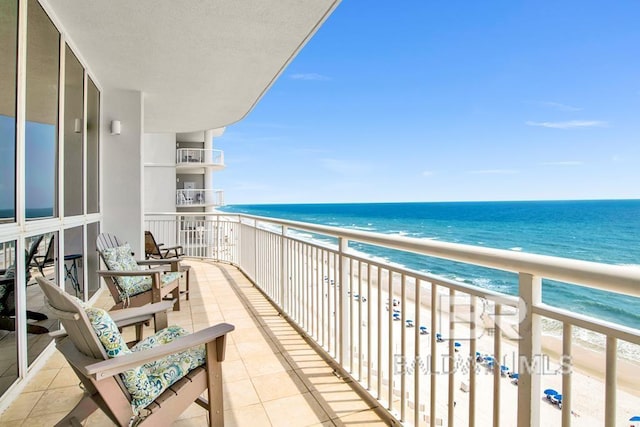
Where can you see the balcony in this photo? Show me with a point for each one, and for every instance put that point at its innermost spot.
(406, 342)
(416, 359)
(271, 375)
(196, 160)
(199, 198)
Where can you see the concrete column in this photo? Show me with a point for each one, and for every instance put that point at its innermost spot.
(122, 171)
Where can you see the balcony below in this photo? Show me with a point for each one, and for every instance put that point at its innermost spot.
(272, 376)
(189, 198)
(196, 160)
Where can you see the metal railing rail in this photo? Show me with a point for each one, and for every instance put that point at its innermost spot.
(345, 301)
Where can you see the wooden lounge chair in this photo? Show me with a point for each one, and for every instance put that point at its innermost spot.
(152, 249)
(155, 250)
(130, 282)
(7, 295)
(150, 384)
(49, 258)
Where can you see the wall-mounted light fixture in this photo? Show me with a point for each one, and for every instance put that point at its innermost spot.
(77, 125)
(116, 127)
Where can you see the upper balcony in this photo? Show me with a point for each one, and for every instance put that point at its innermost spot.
(196, 160)
(191, 198)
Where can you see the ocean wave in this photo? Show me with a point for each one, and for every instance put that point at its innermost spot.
(591, 340)
(516, 248)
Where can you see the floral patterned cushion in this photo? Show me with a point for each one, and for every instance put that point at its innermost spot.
(145, 383)
(120, 259)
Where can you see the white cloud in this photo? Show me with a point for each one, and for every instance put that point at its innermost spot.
(563, 163)
(428, 173)
(495, 172)
(561, 107)
(569, 125)
(308, 76)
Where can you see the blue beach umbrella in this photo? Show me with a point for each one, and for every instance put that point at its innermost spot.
(550, 392)
(635, 418)
(457, 344)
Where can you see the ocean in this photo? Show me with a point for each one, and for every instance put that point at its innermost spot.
(606, 231)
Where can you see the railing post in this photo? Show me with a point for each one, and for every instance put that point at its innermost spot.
(284, 273)
(529, 352)
(610, 382)
(343, 302)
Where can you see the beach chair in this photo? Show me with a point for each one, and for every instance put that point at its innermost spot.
(7, 295)
(155, 250)
(152, 249)
(49, 257)
(130, 282)
(149, 384)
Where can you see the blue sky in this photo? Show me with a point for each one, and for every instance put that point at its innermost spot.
(449, 101)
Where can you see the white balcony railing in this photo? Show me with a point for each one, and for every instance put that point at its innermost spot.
(202, 197)
(346, 302)
(199, 157)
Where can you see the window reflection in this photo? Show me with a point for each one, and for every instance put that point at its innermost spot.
(92, 259)
(41, 128)
(93, 147)
(8, 54)
(8, 340)
(73, 131)
(40, 259)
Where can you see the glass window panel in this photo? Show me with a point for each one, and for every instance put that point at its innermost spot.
(73, 130)
(73, 261)
(8, 340)
(40, 254)
(8, 54)
(41, 130)
(93, 148)
(92, 259)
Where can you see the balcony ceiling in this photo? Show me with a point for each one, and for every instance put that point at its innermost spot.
(201, 64)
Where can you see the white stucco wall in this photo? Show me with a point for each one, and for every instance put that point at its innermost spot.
(160, 172)
(122, 167)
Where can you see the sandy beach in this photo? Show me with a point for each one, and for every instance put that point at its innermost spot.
(588, 366)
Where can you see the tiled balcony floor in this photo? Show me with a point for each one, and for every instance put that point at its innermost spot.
(272, 377)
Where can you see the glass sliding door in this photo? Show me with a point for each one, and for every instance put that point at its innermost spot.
(41, 130)
(8, 74)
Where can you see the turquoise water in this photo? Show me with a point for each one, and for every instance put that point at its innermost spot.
(606, 231)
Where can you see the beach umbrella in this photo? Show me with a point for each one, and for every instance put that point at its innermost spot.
(550, 392)
(515, 376)
(635, 418)
(457, 344)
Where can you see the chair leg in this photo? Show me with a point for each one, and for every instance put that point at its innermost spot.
(214, 383)
(187, 277)
(160, 320)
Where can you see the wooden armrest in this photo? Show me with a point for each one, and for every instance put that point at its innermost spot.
(113, 273)
(173, 260)
(130, 316)
(111, 367)
(60, 333)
